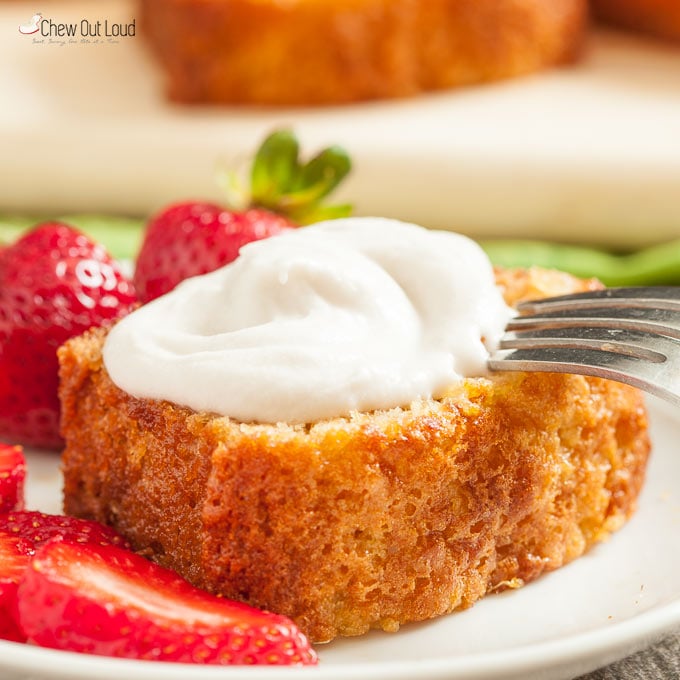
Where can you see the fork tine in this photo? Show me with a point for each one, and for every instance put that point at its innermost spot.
(657, 297)
(627, 334)
(653, 320)
(642, 345)
(660, 379)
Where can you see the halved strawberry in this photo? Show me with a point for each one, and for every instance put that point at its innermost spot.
(195, 237)
(15, 554)
(21, 533)
(109, 601)
(39, 527)
(12, 477)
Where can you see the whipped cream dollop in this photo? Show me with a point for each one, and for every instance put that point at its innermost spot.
(351, 314)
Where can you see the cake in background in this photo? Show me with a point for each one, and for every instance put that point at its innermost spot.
(655, 17)
(306, 52)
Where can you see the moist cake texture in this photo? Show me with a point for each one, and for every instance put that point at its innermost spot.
(369, 521)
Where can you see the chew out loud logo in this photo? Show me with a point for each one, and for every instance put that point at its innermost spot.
(39, 26)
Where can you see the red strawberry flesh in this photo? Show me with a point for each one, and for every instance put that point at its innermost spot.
(15, 554)
(21, 533)
(54, 283)
(12, 478)
(110, 601)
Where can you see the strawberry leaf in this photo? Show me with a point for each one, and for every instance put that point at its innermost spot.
(280, 182)
(326, 170)
(275, 168)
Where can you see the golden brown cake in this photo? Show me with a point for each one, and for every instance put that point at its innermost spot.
(310, 52)
(374, 520)
(656, 17)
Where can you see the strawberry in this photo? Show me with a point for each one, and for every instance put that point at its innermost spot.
(21, 533)
(54, 283)
(191, 238)
(12, 477)
(15, 554)
(109, 601)
(39, 527)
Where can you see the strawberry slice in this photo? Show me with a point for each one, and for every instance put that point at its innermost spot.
(39, 527)
(15, 554)
(12, 477)
(193, 237)
(110, 601)
(21, 533)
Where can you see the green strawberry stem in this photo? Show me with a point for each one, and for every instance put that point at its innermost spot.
(284, 184)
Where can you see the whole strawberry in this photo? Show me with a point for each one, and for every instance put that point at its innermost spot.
(191, 238)
(187, 239)
(54, 283)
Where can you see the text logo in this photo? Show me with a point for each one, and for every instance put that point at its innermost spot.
(49, 31)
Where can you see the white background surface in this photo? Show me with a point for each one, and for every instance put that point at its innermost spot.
(589, 153)
(616, 599)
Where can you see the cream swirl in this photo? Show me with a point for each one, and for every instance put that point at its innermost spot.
(355, 314)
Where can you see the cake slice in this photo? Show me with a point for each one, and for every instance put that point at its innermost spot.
(368, 521)
(307, 52)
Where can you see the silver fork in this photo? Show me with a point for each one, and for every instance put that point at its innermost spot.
(631, 335)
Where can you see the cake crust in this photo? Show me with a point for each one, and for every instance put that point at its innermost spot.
(308, 52)
(370, 521)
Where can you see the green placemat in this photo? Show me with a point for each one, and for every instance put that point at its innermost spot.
(121, 235)
(652, 266)
(655, 265)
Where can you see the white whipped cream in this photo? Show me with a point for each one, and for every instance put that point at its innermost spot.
(352, 314)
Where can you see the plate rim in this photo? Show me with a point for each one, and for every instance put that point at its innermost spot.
(639, 630)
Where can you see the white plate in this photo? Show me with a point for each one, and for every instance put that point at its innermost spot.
(615, 600)
(589, 153)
